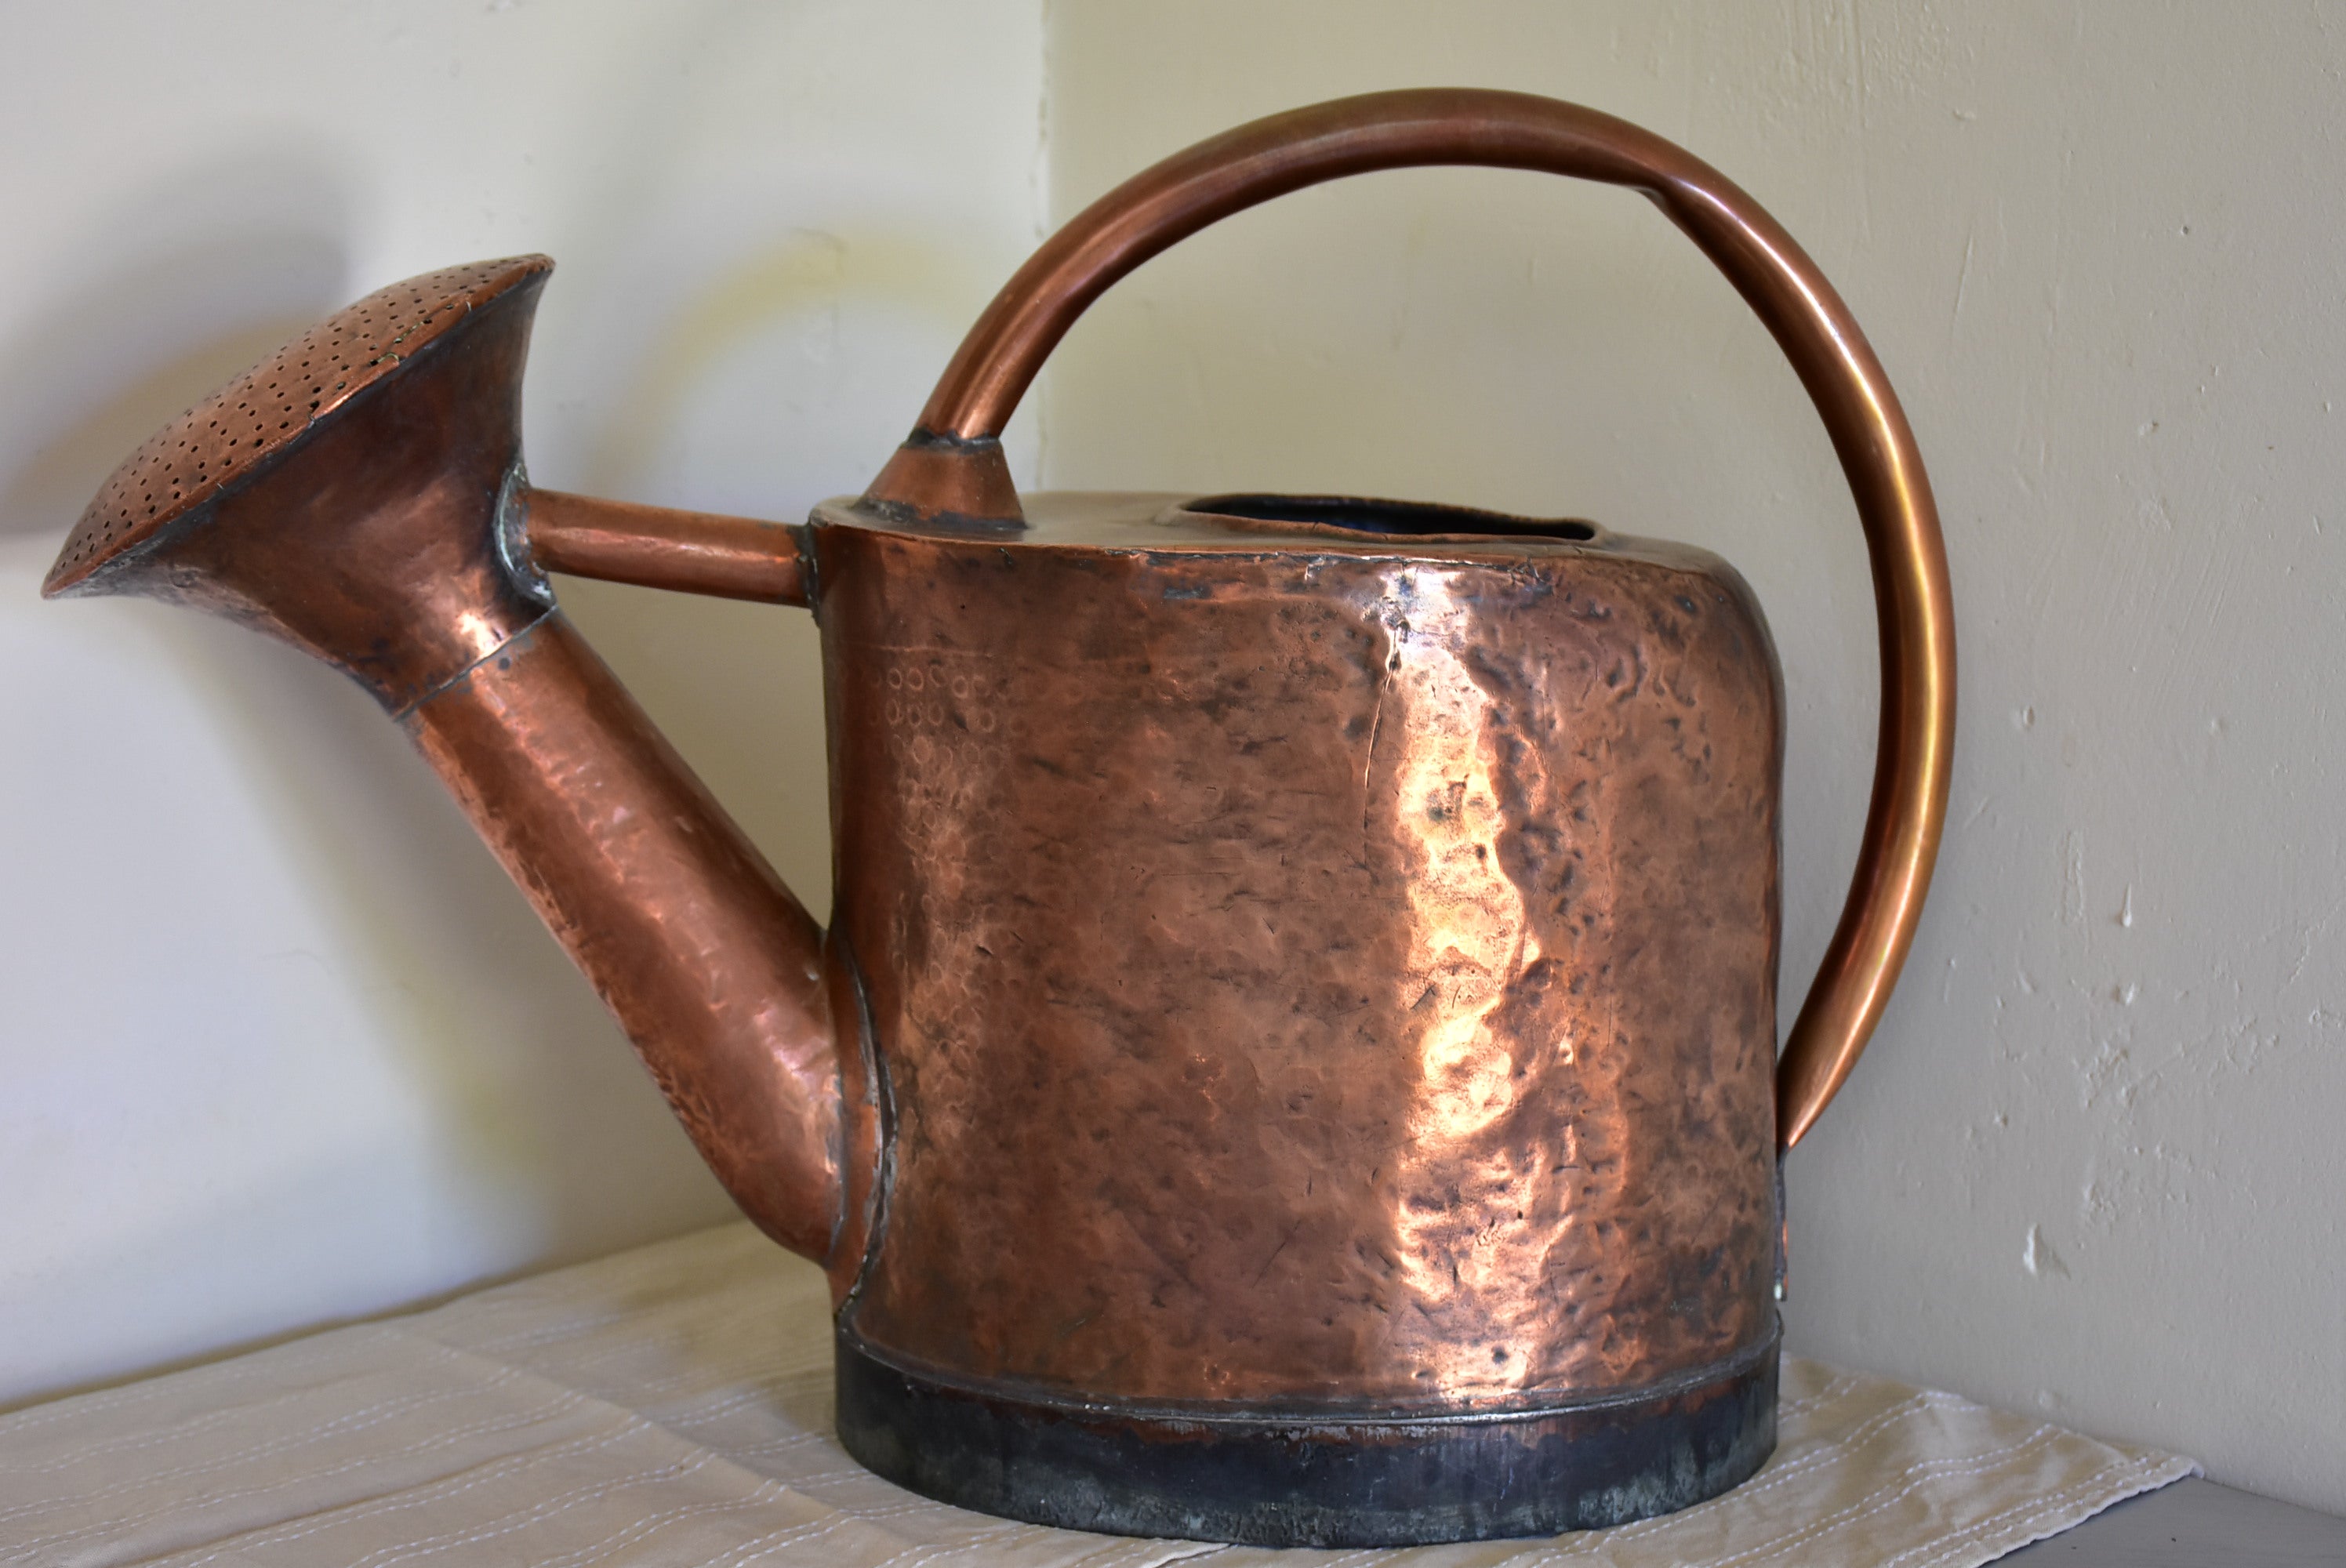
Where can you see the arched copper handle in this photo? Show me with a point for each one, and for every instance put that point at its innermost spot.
(952, 464)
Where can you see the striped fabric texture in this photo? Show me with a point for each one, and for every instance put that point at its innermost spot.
(671, 1405)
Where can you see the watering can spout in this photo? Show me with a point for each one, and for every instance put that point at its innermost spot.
(362, 496)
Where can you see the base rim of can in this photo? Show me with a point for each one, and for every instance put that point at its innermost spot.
(1268, 1478)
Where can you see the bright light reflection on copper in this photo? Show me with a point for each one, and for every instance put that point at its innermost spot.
(1470, 939)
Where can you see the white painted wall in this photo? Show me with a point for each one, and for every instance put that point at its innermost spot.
(2093, 1164)
(277, 1042)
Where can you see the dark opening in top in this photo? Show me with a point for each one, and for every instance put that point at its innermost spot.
(1414, 518)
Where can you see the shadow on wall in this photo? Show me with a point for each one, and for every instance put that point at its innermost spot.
(539, 1124)
(530, 1089)
(787, 374)
(187, 284)
(821, 287)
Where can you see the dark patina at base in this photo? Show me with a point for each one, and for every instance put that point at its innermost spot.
(1290, 1480)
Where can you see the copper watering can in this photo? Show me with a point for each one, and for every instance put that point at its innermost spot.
(1294, 1056)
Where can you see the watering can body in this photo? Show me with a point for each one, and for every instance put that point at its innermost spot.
(1292, 1058)
(1316, 975)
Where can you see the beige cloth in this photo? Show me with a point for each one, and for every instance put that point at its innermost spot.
(672, 1405)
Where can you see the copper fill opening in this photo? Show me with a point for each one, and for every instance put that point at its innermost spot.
(1409, 519)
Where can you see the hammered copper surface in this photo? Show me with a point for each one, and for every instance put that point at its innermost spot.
(683, 929)
(233, 433)
(954, 454)
(372, 542)
(1348, 969)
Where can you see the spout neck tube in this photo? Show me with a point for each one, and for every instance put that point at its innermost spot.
(660, 547)
(709, 965)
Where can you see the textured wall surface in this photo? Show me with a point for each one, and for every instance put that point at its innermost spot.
(277, 1042)
(2091, 1165)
